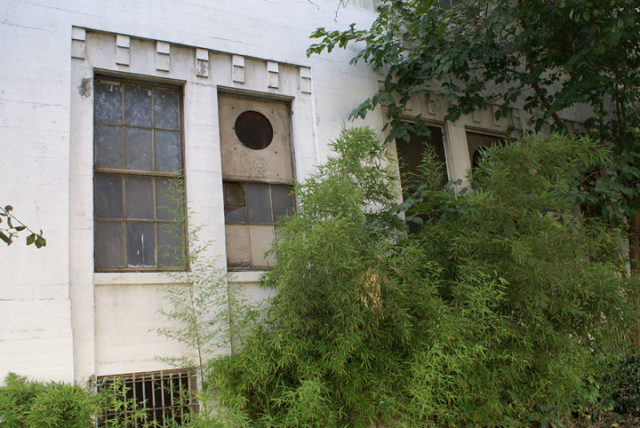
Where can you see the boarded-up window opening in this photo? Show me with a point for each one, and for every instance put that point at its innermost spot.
(165, 397)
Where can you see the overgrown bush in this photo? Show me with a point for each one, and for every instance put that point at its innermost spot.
(31, 404)
(624, 383)
(500, 309)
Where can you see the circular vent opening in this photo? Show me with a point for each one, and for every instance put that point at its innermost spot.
(254, 130)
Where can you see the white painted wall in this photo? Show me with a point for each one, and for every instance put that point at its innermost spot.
(60, 320)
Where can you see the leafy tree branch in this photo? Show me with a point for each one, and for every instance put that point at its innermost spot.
(11, 227)
(541, 56)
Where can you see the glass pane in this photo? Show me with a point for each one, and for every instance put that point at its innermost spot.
(234, 206)
(137, 106)
(138, 148)
(109, 244)
(108, 146)
(108, 102)
(141, 244)
(169, 197)
(107, 199)
(167, 151)
(281, 200)
(139, 197)
(258, 206)
(170, 245)
(165, 110)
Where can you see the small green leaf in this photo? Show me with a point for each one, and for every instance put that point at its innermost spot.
(40, 242)
(31, 239)
(5, 238)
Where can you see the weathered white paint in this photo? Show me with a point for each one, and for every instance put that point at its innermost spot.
(60, 320)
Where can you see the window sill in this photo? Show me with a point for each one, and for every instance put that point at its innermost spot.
(140, 278)
(164, 278)
(246, 276)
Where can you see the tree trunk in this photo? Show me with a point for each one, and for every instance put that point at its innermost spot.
(634, 244)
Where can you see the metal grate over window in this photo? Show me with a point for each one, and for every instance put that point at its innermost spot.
(162, 398)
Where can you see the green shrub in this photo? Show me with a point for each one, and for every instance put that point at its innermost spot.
(625, 384)
(61, 405)
(498, 309)
(31, 404)
(562, 305)
(16, 398)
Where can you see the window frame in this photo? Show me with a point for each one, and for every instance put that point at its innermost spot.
(247, 222)
(124, 173)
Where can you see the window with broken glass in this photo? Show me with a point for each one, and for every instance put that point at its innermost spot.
(251, 212)
(256, 203)
(138, 175)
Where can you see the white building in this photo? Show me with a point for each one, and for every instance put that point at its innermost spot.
(103, 103)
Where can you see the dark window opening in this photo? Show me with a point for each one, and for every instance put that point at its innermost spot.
(163, 398)
(410, 154)
(253, 130)
(477, 143)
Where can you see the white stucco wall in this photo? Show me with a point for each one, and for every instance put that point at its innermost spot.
(60, 320)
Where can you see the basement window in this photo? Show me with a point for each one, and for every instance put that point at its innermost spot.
(161, 398)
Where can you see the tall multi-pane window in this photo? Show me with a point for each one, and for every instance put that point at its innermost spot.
(138, 177)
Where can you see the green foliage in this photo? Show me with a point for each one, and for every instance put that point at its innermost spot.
(116, 410)
(625, 382)
(198, 310)
(31, 404)
(12, 227)
(563, 304)
(539, 55)
(500, 309)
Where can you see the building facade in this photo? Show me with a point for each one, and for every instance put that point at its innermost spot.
(105, 106)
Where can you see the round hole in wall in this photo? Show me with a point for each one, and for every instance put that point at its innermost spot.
(254, 130)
